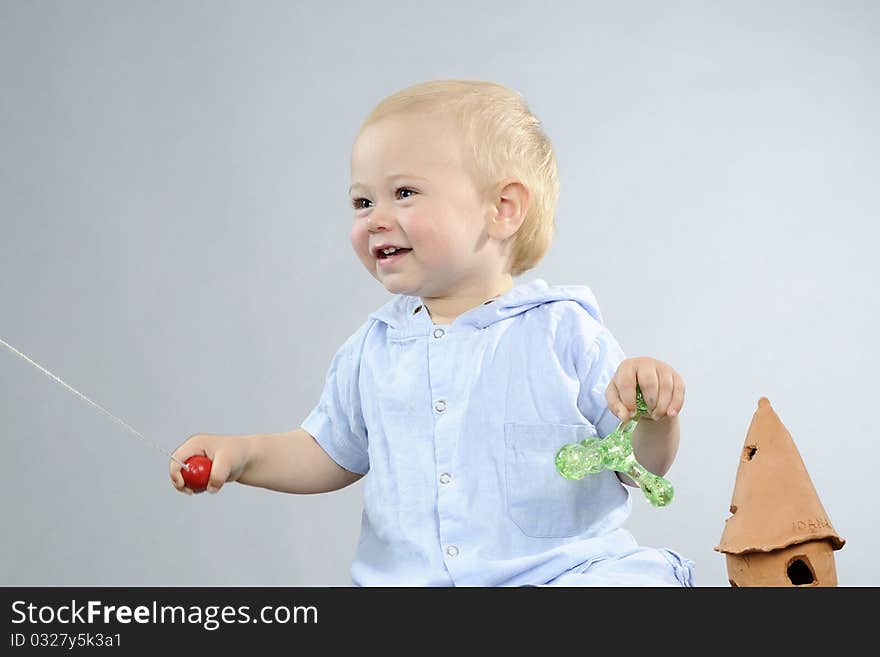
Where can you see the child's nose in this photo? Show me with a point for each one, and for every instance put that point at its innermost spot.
(378, 221)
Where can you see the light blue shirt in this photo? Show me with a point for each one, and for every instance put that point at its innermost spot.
(457, 427)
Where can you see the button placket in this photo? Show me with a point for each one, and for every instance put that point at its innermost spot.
(442, 348)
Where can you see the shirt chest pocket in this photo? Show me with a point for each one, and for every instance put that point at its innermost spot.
(542, 502)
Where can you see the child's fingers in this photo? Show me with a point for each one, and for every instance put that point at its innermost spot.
(191, 447)
(625, 382)
(221, 467)
(664, 394)
(177, 479)
(649, 385)
(661, 386)
(675, 405)
(612, 396)
(174, 473)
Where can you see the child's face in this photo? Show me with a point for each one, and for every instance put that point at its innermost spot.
(410, 189)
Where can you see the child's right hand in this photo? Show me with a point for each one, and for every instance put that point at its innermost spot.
(229, 455)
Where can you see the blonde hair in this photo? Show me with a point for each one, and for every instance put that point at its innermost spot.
(505, 139)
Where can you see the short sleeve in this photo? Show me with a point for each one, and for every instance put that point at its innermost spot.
(337, 422)
(596, 367)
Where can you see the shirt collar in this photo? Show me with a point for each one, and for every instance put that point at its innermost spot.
(407, 315)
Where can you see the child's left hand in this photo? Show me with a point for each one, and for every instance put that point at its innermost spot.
(662, 387)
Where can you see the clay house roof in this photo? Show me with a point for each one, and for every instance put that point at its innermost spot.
(774, 502)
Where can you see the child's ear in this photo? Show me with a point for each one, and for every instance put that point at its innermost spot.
(510, 205)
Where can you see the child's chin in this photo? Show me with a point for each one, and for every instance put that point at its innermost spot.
(398, 287)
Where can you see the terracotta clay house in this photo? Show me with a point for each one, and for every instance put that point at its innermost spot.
(779, 533)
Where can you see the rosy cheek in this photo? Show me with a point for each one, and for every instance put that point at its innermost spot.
(359, 239)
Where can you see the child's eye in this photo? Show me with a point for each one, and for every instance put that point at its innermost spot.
(403, 192)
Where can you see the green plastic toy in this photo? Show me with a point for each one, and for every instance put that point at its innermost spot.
(615, 452)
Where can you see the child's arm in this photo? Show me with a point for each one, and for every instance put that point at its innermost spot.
(293, 462)
(289, 462)
(655, 444)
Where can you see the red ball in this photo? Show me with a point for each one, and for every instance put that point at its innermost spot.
(199, 472)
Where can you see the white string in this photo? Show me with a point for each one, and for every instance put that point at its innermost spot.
(89, 401)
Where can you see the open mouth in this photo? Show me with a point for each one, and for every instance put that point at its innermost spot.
(391, 253)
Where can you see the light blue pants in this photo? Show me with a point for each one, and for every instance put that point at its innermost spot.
(643, 567)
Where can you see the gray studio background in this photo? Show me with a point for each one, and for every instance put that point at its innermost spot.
(173, 199)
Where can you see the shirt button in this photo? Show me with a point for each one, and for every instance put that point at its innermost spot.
(439, 405)
(452, 551)
(438, 333)
(445, 478)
